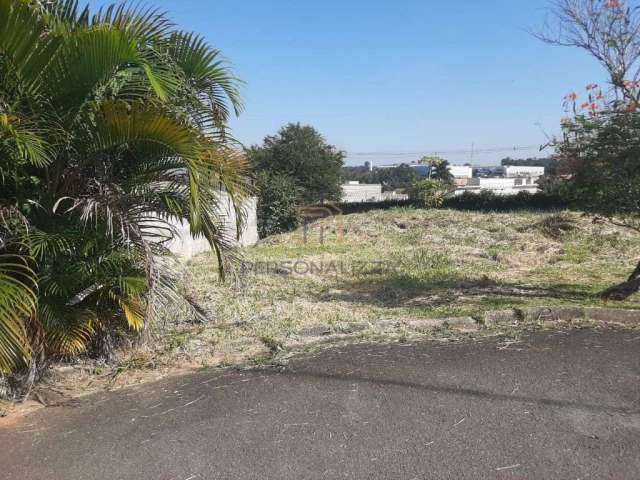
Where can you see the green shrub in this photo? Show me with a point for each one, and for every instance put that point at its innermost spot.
(429, 193)
(277, 204)
(489, 201)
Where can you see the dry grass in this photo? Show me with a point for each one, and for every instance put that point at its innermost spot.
(410, 264)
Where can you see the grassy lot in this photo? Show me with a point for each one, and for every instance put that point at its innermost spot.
(385, 265)
(409, 264)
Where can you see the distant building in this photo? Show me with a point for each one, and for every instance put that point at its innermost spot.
(388, 196)
(354, 192)
(461, 171)
(521, 171)
(422, 170)
(500, 185)
(488, 172)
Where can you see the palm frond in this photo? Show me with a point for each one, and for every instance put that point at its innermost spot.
(145, 23)
(112, 128)
(67, 12)
(17, 303)
(26, 140)
(209, 75)
(25, 42)
(68, 329)
(88, 60)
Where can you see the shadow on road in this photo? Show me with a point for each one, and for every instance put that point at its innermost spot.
(468, 392)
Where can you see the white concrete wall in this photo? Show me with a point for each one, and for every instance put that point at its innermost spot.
(361, 192)
(394, 196)
(496, 183)
(461, 171)
(517, 171)
(184, 245)
(500, 186)
(497, 191)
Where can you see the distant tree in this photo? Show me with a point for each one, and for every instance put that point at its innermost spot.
(600, 146)
(301, 153)
(439, 169)
(395, 178)
(358, 174)
(430, 160)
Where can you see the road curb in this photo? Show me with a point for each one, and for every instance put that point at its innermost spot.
(509, 317)
(614, 316)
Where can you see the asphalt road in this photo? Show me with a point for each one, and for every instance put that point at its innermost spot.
(562, 405)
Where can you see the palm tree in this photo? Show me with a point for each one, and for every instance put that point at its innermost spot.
(438, 169)
(112, 124)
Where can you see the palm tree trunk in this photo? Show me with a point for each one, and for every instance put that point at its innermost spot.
(21, 382)
(625, 289)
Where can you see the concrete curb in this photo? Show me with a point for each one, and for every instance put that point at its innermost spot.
(510, 317)
(612, 316)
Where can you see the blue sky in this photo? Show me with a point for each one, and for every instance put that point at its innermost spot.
(388, 78)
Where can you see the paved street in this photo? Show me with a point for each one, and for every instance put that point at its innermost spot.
(560, 405)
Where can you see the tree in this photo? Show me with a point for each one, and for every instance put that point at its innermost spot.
(431, 193)
(277, 204)
(393, 178)
(600, 147)
(401, 177)
(439, 169)
(301, 153)
(608, 30)
(602, 153)
(111, 125)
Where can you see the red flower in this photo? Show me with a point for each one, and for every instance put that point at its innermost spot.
(613, 4)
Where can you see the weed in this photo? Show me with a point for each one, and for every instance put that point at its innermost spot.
(273, 344)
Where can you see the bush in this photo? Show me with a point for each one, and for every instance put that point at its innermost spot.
(485, 201)
(489, 201)
(277, 204)
(429, 193)
(363, 207)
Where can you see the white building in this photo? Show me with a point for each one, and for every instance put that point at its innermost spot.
(354, 192)
(461, 171)
(518, 171)
(500, 186)
(394, 196)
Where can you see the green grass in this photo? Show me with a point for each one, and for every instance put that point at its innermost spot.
(411, 264)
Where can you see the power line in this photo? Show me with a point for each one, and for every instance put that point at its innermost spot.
(473, 151)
